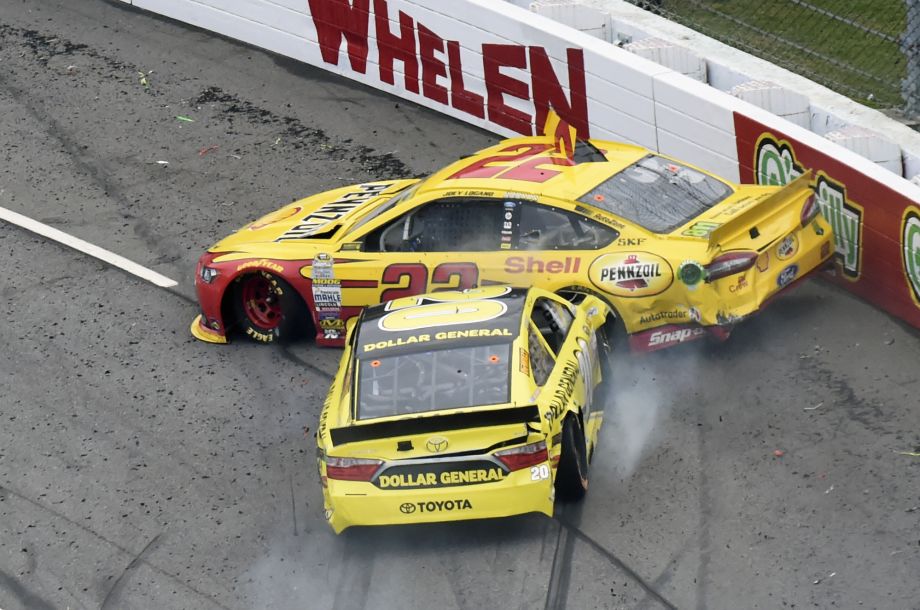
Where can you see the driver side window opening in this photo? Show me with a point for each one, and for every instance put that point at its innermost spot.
(553, 321)
(542, 227)
(541, 360)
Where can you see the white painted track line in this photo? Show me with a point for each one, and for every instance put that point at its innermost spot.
(87, 248)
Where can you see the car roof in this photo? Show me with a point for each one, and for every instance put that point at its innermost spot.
(485, 316)
(532, 166)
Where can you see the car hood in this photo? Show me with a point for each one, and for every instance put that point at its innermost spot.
(315, 218)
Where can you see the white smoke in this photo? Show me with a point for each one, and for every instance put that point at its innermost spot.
(646, 389)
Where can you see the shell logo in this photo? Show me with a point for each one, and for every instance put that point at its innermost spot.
(635, 274)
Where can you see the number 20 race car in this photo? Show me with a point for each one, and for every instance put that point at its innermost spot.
(463, 405)
(674, 251)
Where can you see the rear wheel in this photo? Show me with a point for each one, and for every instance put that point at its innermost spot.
(268, 309)
(572, 474)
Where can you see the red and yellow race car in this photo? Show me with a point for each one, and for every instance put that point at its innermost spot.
(677, 253)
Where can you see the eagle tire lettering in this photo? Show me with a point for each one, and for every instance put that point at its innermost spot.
(775, 164)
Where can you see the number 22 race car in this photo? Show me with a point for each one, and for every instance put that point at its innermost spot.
(674, 251)
(463, 405)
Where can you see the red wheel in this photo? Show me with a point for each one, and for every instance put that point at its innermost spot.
(260, 302)
(268, 309)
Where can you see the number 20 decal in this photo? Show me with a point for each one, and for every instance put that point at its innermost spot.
(539, 473)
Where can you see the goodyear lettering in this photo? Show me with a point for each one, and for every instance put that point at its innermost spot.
(520, 264)
(332, 211)
(261, 264)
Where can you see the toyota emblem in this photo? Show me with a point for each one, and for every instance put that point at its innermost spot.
(407, 508)
(436, 444)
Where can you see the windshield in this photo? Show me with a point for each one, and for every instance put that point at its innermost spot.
(658, 194)
(418, 382)
(392, 202)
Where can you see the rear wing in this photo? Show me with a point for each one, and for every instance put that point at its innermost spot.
(761, 219)
(434, 423)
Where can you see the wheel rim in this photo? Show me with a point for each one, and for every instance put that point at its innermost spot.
(260, 303)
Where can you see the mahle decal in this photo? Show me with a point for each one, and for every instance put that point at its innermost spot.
(910, 244)
(776, 165)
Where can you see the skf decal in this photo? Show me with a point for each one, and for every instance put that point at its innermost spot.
(910, 249)
(332, 211)
(261, 264)
(638, 274)
(776, 164)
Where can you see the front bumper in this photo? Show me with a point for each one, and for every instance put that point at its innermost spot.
(203, 333)
(349, 503)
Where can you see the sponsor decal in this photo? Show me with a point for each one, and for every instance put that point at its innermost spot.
(439, 336)
(331, 323)
(327, 295)
(701, 229)
(740, 285)
(517, 195)
(694, 314)
(322, 267)
(524, 360)
(787, 248)
(564, 389)
(436, 444)
(763, 262)
(445, 478)
(631, 241)
(332, 211)
(910, 249)
(667, 337)
(776, 164)
(332, 334)
(638, 274)
(663, 315)
(530, 264)
(435, 506)
(434, 67)
(261, 264)
(787, 275)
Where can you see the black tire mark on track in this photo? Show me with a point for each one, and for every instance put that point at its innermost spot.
(557, 593)
(7, 490)
(117, 586)
(355, 576)
(705, 539)
(616, 561)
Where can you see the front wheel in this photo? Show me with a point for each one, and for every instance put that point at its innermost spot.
(572, 474)
(268, 309)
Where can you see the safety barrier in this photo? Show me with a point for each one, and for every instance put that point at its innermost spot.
(500, 67)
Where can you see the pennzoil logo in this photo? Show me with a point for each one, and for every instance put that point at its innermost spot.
(775, 164)
(634, 274)
(910, 250)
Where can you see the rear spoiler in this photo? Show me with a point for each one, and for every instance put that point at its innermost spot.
(762, 212)
(433, 423)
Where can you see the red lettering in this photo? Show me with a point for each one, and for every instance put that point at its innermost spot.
(547, 92)
(461, 98)
(399, 48)
(416, 273)
(514, 264)
(495, 57)
(432, 67)
(534, 265)
(484, 168)
(334, 19)
(534, 170)
(554, 266)
(467, 275)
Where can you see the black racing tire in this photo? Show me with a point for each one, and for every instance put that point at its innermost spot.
(572, 472)
(267, 309)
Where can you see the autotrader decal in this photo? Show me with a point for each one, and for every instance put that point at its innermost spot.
(776, 164)
(910, 247)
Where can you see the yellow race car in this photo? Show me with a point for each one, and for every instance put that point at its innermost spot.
(674, 251)
(463, 405)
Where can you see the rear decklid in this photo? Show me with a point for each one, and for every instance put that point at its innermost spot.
(753, 222)
(316, 217)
